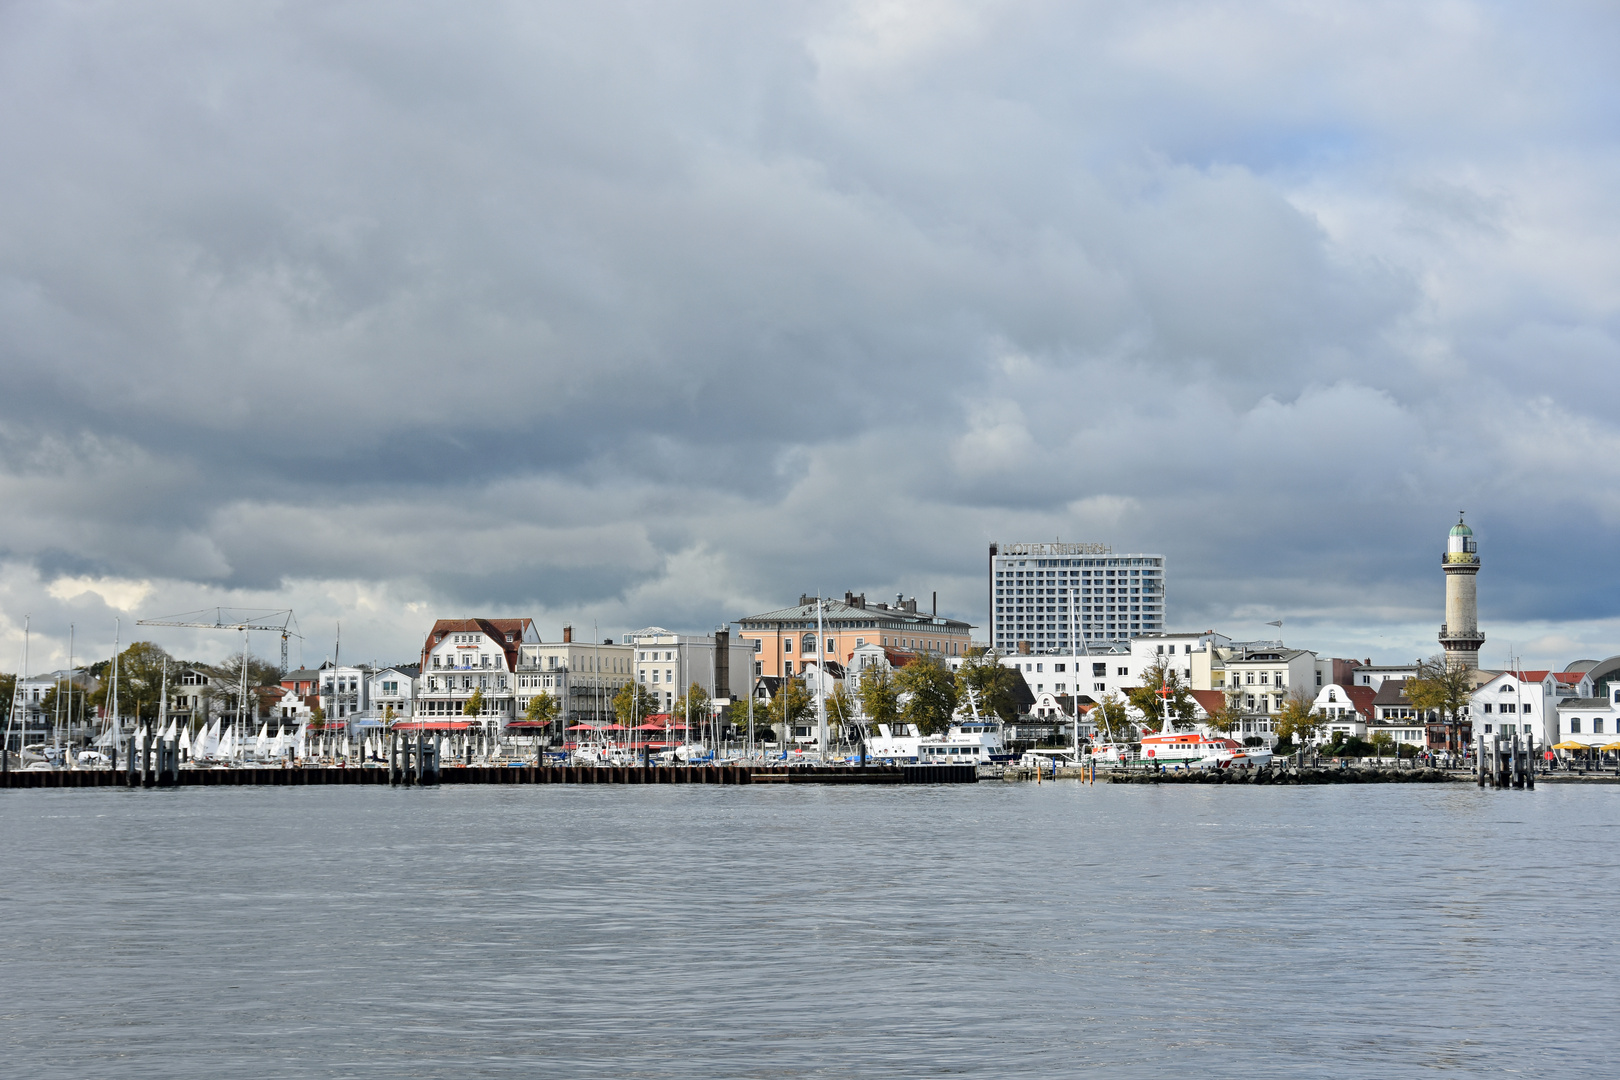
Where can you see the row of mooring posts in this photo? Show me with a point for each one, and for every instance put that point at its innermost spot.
(151, 762)
(413, 762)
(1505, 762)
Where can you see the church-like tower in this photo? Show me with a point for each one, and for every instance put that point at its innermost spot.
(1460, 635)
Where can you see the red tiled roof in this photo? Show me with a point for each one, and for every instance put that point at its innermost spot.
(1211, 701)
(1362, 698)
(1535, 676)
(496, 629)
(1570, 677)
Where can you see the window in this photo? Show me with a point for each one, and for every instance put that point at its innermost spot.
(1487, 710)
(1098, 671)
(787, 646)
(1487, 729)
(860, 641)
(759, 643)
(1123, 671)
(1574, 725)
(1597, 726)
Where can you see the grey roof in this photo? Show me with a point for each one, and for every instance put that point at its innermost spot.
(1392, 692)
(1587, 703)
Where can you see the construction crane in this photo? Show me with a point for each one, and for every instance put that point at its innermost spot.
(277, 622)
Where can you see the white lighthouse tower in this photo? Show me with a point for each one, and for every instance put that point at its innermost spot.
(1460, 635)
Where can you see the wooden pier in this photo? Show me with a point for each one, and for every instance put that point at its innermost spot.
(883, 775)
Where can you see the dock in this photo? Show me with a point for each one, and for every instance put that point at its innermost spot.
(318, 776)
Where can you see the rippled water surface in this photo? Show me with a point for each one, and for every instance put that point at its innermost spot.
(990, 930)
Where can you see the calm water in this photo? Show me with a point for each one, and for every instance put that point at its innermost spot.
(995, 930)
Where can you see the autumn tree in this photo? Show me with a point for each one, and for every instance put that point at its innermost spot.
(544, 709)
(691, 707)
(993, 683)
(474, 705)
(1160, 684)
(792, 706)
(1111, 719)
(840, 707)
(1441, 687)
(1228, 718)
(632, 704)
(1298, 722)
(931, 690)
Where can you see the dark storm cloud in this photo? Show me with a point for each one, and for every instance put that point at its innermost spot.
(664, 312)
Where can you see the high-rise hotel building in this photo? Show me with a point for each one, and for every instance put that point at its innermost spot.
(1059, 597)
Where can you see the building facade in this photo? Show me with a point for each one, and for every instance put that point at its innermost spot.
(463, 657)
(582, 675)
(779, 643)
(1057, 597)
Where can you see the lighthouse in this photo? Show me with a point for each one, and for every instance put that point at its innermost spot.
(1460, 635)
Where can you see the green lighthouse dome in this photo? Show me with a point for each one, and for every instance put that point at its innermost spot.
(1460, 529)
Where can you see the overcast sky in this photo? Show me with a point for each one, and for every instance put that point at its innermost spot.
(664, 313)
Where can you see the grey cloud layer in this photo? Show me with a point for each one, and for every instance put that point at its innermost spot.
(665, 311)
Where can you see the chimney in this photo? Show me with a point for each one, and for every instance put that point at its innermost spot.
(805, 599)
(1023, 648)
(722, 662)
(936, 603)
(568, 635)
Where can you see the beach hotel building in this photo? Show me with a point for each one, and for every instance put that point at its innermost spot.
(783, 641)
(1041, 594)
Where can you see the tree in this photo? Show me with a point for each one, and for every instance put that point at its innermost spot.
(879, 695)
(317, 718)
(8, 692)
(992, 682)
(697, 699)
(140, 681)
(840, 707)
(544, 709)
(932, 694)
(474, 705)
(388, 717)
(260, 672)
(1298, 722)
(1148, 700)
(1111, 720)
(1228, 718)
(791, 706)
(632, 704)
(1441, 687)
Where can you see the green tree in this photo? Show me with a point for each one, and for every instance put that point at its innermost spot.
(474, 705)
(260, 672)
(879, 695)
(632, 704)
(140, 681)
(1159, 684)
(1298, 722)
(1111, 719)
(736, 714)
(317, 718)
(1441, 687)
(992, 682)
(932, 693)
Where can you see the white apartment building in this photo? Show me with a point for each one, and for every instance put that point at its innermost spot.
(1520, 703)
(1052, 597)
(1593, 720)
(666, 663)
(582, 675)
(345, 692)
(394, 688)
(462, 657)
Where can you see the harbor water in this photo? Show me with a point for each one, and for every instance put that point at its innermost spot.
(987, 930)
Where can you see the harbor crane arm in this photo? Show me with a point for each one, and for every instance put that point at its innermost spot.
(279, 622)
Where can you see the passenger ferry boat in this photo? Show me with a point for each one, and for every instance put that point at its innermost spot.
(970, 740)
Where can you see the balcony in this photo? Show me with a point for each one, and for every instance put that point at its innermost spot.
(1466, 558)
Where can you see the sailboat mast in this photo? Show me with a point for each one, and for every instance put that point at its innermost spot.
(112, 700)
(821, 672)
